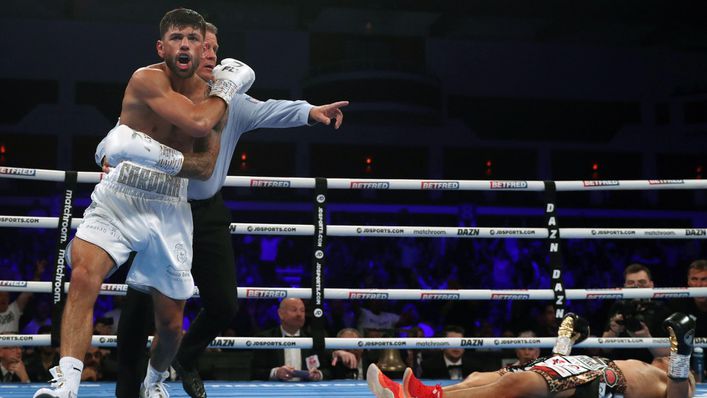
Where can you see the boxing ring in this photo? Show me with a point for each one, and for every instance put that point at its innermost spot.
(319, 231)
(324, 389)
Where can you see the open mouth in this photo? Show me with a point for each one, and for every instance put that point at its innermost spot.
(183, 61)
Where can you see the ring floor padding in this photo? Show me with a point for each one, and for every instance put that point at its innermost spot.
(215, 389)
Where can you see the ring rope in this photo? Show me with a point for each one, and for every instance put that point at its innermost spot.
(338, 343)
(392, 184)
(384, 231)
(117, 289)
(411, 231)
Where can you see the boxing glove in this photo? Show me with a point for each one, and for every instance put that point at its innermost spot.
(126, 144)
(573, 329)
(231, 77)
(681, 332)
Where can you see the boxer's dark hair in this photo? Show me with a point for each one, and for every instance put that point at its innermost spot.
(182, 17)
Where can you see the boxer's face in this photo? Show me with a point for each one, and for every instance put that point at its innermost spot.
(182, 49)
(209, 57)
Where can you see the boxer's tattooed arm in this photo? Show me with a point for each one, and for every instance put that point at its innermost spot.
(201, 163)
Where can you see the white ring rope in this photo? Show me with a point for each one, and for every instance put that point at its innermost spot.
(397, 231)
(392, 184)
(417, 343)
(116, 289)
(408, 231)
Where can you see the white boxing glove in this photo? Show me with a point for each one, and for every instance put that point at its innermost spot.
(126, 144)
(231, 77)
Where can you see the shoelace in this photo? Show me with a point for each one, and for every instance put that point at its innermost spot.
(161, 389)
(58, 377)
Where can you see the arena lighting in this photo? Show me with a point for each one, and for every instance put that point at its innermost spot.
(698, 172)
(595, 166)
(369, 160)
(489, 163)
(244, 156)
(2, 149)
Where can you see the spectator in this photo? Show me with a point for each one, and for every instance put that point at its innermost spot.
(42, 359)
(355, 370)
(291, 364)
(92, 365)
(374, 317)
(697, 306)
(114, 313)
(526, 355)
(12, 366)
(637, 318)
(10, 312)
(449, 363)
(41, 315)
(546, 322)
(106, 358)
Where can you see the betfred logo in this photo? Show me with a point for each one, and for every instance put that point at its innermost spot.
(112, 287)
(601, 183)
(671, 295)
(605, 295)
(16, 171)
(439, 296)
(510, 296)
(666, 182)
(440, 185)
(261, 293)
(509, 184)
(367, 296)
(13, 283)
(696, 232)
(269, 183)
(369, 185)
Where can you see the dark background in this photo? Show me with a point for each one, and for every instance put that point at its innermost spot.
(582, 89)
(543, 89)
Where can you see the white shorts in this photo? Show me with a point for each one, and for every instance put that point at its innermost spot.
(138, 209)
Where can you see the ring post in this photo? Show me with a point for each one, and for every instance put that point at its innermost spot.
(318, 261)
(553, 237)
(58, 294)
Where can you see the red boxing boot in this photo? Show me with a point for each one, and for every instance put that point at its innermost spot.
(381, 385)
(414, 388)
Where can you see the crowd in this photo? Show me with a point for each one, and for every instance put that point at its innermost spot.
(387, 263)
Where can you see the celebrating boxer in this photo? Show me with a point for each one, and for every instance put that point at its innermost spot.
(213, 265)
(144, 208)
